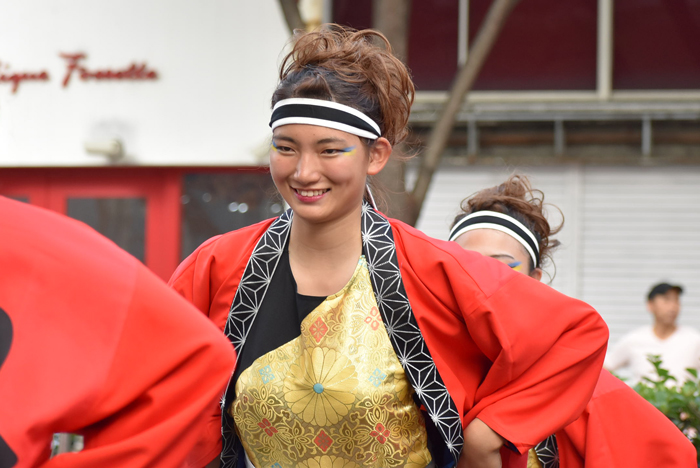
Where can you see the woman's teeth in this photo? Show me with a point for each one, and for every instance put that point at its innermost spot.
(311, 193)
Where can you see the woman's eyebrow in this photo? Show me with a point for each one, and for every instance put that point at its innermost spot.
(502, 256)
(331, 140)
(283, 138)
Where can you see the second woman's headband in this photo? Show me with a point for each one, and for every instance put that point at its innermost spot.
(325, 114)
(499, 222)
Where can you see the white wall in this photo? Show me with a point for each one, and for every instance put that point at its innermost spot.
(626, 228)
(217, 64)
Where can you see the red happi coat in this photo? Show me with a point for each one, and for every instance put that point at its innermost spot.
(510, 350)
(92, 342)
(619, 429)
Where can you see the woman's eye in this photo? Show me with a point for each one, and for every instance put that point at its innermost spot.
(281, 148)
(349, 151)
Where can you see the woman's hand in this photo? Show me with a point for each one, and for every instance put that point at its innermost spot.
(481, 447)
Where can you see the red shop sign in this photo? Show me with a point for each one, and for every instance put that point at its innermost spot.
(75, 67)
(132, 72)
(6, 76)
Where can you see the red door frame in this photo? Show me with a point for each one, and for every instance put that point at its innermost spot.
(161, 187)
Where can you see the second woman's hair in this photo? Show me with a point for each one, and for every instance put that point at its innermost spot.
(516, 198)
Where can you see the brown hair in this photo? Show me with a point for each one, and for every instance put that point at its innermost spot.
(347, 66)
(516, 197)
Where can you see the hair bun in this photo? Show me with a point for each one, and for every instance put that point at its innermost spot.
(351, 67)
(516, 197)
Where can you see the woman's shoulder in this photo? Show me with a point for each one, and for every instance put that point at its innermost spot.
(409, 236)
(236, 241)
(434, 259)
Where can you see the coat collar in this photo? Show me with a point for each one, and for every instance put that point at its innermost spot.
(401, 326)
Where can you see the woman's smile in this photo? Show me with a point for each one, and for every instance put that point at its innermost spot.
(310, 195)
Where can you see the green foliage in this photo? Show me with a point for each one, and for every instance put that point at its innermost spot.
(681, 403)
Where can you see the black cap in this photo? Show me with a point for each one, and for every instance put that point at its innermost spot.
(663, 288)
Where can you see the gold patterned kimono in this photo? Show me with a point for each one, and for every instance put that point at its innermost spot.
(334, 397)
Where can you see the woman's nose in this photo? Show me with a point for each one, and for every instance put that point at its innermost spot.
(307, 170)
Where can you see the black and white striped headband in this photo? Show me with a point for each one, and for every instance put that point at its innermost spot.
(324, 114)
(499, 222)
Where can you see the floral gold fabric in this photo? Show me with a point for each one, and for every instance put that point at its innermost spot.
(532, 460)
(335, 397)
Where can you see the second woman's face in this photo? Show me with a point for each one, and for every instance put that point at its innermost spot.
(500, 246)
(320, 172)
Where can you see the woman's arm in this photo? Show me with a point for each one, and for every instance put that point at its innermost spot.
(482, 447)
(546, 350)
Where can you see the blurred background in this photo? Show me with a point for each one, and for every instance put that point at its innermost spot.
(148, 120)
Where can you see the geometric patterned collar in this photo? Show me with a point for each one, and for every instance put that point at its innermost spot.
(409, 345)
(547, 452)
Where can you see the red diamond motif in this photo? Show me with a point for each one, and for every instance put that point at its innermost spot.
(318, 329)
(323, 441)
(380, 433)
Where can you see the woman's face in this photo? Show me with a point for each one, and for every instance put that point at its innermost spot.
(500, 246)
(321, 172)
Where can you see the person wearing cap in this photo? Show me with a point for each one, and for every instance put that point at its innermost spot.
(677, 345)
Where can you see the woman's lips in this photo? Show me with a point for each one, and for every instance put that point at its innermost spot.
(309, 196)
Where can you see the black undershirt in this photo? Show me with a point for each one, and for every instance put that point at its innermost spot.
(279, 319)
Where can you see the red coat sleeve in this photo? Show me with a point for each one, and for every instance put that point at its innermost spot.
(100, 346)
(169, 369)
(512, 351)
(547, 350)
(620, 429)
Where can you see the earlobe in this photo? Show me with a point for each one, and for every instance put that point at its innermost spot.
(536, 274)
(379, 154)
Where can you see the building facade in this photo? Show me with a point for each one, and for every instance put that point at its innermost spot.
(148, 121)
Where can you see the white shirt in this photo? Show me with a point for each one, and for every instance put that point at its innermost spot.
(678, 352)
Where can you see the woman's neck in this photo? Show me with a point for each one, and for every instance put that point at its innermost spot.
(323, 256)
(329, 240)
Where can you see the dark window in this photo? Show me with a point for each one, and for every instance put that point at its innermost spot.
(432, 43)
(544, 45)
(353, 13)
(656, 44)
(215, 203)
(123, 220)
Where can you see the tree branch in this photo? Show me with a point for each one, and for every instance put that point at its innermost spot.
(391, 17)
(292, 15)
(437, 141)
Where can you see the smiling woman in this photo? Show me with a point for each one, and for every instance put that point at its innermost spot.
(321, 172)
(360, 341)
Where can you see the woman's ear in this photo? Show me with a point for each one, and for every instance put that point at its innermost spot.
(379, 154)
(536, 274)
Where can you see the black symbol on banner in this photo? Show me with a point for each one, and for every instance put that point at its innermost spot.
(8, 459)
